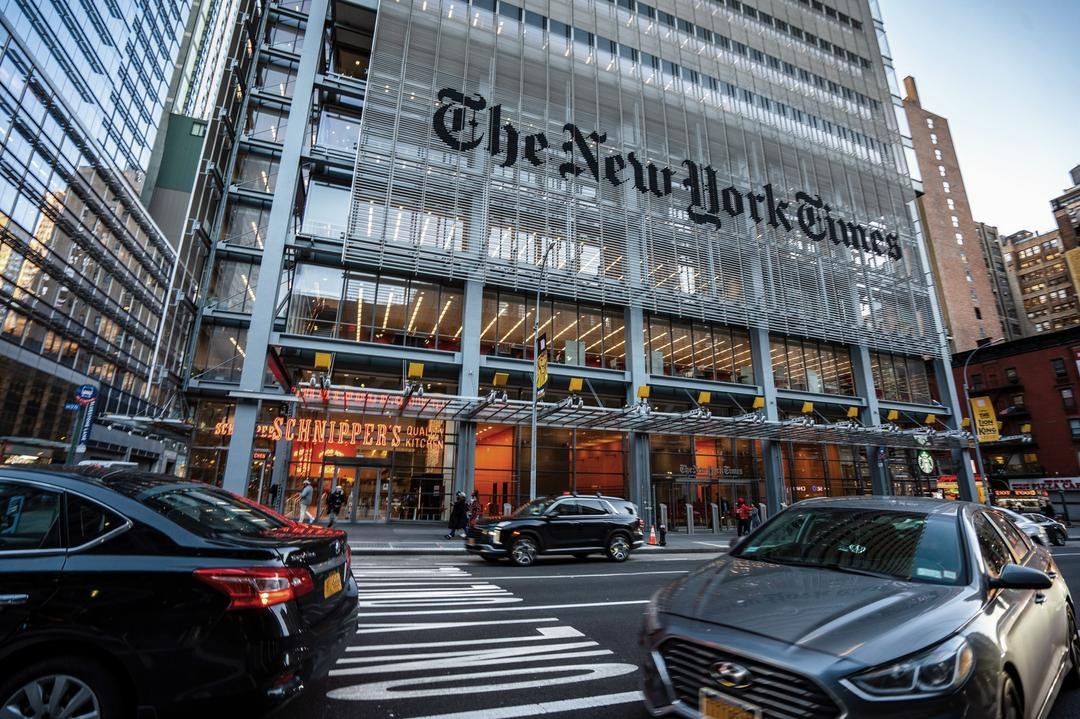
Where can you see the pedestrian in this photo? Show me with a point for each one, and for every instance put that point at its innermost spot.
(475, 509)
(742, 513)
(305, 501)
(459, 517)
(273, 496)
(755, 517)
(334, 503)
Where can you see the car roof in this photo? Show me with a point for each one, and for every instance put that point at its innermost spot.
(123, 480)
(928, 505)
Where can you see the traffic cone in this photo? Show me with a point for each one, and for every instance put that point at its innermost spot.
(652, 534)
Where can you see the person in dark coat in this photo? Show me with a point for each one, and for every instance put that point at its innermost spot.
(459, 517)
(334, 503)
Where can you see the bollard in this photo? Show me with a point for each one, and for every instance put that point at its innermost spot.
(507, 509)
(663, 514)
(689, 518)
(715, 517)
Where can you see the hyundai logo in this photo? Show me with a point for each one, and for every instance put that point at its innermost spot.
(731, 675)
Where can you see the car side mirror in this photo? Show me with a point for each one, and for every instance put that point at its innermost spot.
(1014, 576)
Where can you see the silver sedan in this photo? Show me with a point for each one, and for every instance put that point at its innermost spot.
(866, 607)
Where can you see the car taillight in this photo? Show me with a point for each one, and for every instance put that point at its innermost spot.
(255, 587)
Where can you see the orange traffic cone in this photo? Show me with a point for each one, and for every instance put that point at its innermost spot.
(652, 534)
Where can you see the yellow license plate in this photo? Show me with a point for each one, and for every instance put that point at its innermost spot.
(715, 705)
(332, 585)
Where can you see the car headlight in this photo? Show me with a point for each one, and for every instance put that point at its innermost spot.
(939, 670)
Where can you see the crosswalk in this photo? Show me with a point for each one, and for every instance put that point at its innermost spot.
(435, 642)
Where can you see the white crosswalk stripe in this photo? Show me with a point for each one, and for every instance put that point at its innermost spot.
(419, 641)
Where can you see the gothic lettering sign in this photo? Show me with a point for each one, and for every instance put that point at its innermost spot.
(458, 124)
(366, 435)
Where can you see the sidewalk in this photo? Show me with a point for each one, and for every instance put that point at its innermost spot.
(377, 538)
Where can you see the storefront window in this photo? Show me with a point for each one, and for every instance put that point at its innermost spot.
(580, 335)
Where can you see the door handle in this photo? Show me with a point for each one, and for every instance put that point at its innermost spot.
(1040, 598)
(10, 600)
(1051, 573)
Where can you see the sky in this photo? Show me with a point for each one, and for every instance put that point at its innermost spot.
(1006, 75)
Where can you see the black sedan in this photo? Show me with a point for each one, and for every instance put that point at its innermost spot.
(866, 607)
(128, 594)
(567, 524)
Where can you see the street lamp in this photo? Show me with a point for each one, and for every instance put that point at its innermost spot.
(967, 405)
(536, 363)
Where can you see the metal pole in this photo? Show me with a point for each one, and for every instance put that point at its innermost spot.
(536, 358)
(967, 406)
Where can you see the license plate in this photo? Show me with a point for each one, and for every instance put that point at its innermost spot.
(332, 585)
(471, 540)
(715, 705)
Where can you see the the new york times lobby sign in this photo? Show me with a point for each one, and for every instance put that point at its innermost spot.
(457, 123)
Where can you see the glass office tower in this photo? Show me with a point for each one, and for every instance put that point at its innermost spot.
(84, 271)
(705, 209)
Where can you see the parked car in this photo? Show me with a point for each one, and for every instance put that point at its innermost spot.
(866, 607)
(567, 524)
(1032, 529)
(125, 594)
(1055, 530)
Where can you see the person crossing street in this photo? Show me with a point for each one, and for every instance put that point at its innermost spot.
(743, 512)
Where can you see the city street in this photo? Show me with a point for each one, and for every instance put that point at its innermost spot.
(443, 638)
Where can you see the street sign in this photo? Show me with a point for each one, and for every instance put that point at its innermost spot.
(71, 405)
(541, 366)
(86, 393)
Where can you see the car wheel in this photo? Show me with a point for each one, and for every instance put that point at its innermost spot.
(1009, 704)
(618, 548)
(524, 551)
(1073, 677)
(62, 687)
(581, 555)
(1059, 539)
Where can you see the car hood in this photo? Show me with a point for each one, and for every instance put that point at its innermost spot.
(866, 619)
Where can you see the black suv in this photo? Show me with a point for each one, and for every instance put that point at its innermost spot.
(567, 524)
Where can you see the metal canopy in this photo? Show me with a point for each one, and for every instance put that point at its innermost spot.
(572, 414)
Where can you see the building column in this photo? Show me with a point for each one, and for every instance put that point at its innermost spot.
(962, 457)
(864, 386)
(468, 384)
(638, 445)
(761, 356)
(238, 461)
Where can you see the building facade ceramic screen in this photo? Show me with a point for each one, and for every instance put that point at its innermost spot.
(634, 150)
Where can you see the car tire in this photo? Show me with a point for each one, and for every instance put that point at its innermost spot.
(1059, 539)
(618, 547)
(1072, 679)
(85, 687)
(524, 551)
(1009, 704)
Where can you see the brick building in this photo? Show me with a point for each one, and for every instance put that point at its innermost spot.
(1046, 285)
(1014, 322)
(1033, 384)
(965, 290)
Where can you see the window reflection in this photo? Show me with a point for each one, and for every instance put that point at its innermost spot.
(577, 334)
(900, 378)
(328, 302)
(811, 366)
(698, 350)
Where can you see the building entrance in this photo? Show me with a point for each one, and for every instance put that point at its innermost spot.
(693, 499)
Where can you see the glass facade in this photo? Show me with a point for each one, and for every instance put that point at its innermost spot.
(712, 204)
(84, 271)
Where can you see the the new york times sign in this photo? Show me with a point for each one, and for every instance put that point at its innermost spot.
(457, 124)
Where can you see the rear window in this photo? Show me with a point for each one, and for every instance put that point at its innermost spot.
(209, 512)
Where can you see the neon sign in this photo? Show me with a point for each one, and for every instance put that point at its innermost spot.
(372, 435)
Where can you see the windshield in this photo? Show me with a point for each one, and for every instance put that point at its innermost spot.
(911, 546)
(534, 508)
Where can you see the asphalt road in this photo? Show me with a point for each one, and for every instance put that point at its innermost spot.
(442, 638)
